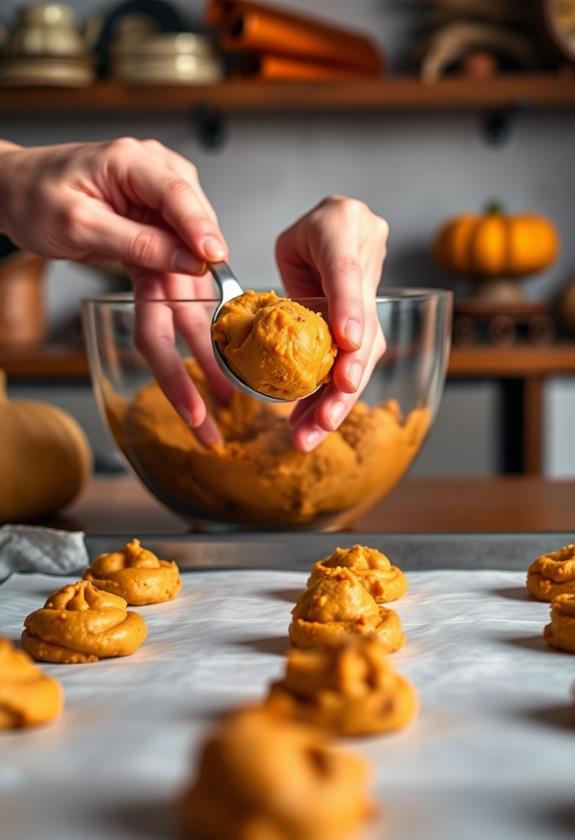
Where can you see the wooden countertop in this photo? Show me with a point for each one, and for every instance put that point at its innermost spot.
(120, 505)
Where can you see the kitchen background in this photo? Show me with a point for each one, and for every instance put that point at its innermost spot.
(416, 169)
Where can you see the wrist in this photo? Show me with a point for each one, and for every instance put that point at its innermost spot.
(7, 162)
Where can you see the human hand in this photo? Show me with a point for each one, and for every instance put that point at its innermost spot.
(139, 203)
(337, 251)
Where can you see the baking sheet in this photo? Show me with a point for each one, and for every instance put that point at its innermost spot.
(414, 552)
(492, 753)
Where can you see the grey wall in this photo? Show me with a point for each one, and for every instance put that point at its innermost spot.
(413, 169)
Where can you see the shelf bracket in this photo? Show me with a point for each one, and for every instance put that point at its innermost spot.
(497, 125)
(211, 130)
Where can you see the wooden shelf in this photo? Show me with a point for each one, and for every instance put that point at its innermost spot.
(392, 93)
(512, 362)
(55, 363)
(61, 363)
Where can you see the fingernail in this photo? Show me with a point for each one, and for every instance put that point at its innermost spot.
(209, 433)
(336, 413)
(185, 415)
(354, 375)
(213, 248)
(312, 439)
(187, 263)
(353, 331)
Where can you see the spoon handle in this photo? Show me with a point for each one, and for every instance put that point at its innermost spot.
(227, 283)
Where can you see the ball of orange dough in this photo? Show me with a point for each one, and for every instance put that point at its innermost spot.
(336, 607)
(28, 696)
(262, 776)
(79, 624)
(348, 689)
(275, 345)
(560, 632)
(552, 574)
(136, 575)
(372, 568)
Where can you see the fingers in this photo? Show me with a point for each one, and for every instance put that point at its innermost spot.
(156, 340)
(335, 235)
(178, 197)
(313, 419)
(101, 232)
(193, 323)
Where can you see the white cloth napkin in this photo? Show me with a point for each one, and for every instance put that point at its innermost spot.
(27, 548)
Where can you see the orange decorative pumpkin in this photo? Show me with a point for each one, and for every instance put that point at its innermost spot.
(45, 459)
(496, 245)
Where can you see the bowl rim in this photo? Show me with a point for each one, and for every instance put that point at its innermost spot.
(393, 294)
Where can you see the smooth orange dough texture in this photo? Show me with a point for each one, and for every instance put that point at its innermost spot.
(275, 345)
(256, 476)
(28, 696)
(552, 574)
(336, 607)
(371, 567)
(350, 689)
(560, 632)
(136, 575)
(263, 777)
(79, 624)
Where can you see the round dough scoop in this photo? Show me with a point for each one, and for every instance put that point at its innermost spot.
(271, 348)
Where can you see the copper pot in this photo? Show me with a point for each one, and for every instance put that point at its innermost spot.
(22, 314)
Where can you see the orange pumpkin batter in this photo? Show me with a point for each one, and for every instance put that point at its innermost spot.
(337, 607)
(28, 696)
(372, 568)
(552, 574)
(263, 777)
(136, 575)
(560, 632)
(79, 623)
(257, 476)
(350, 689)
(275, 345)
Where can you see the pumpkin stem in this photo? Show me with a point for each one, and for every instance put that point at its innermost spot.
(2, 385)
(495, 208)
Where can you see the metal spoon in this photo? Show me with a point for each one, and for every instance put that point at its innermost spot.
(229, 289)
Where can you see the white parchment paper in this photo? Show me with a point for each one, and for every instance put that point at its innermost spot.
(491, 755)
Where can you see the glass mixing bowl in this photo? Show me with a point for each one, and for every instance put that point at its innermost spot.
(256, 478)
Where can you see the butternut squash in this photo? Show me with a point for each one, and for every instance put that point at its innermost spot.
(45, 458)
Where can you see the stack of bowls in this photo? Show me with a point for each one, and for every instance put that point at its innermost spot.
(45, 47)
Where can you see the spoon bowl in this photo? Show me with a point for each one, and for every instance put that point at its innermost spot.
(229, 288)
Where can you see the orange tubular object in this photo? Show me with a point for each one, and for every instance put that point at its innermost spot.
(277, 68)
(258, 28)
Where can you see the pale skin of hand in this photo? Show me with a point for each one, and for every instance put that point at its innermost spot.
(337, 251)
(141, 204)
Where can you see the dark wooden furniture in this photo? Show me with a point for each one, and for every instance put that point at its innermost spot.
(121, 505)
(536, 90)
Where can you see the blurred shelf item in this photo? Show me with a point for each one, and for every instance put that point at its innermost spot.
(248, 97)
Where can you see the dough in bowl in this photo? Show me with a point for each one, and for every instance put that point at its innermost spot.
(337, 606)
(136, 575)
(275, 345)
(560, 632)
(79, 623)
(263, 776)
(372, 568)
(28, 696)
(552, 574)
(349, 689)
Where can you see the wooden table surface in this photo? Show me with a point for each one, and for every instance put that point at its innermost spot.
(120, 505)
